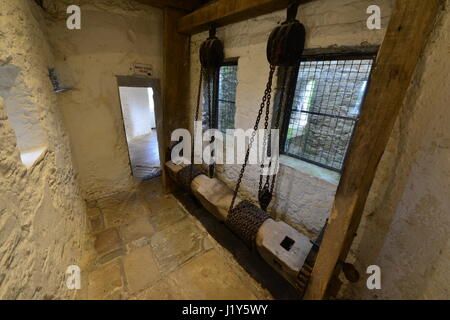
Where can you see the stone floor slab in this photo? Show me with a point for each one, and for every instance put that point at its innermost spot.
(141, 269)
(130, 209)
(136, 229)
(209, 277)
(151, 188)
(114, 199)
(177, 244)
(105, 281)
(167, 217)
(160, 203)
(107, 241)
(165, 289)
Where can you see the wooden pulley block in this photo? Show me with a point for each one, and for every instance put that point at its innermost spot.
(211, 52)
(264, 198)
(287, 41)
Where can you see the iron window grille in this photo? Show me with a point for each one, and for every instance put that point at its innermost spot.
(223, 99)
(324, 107)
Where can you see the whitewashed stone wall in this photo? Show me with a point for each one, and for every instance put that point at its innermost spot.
(301, 199)
(41, 210)
(114, 35)
(406, 224)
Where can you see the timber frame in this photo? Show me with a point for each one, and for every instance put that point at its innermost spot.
(185, 5)
(223, 12)
(406, 36)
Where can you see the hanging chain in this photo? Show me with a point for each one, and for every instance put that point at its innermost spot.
(197, 110)
(265, 100)
(199, 92)
(264, 153)
(211, 117)
(279, 112)
(268, 137)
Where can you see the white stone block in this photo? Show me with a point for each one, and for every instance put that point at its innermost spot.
(287, 260)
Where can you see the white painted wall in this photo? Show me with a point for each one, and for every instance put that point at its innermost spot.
(114, 35)
(303, 197)
(151, 103)
(136, 109)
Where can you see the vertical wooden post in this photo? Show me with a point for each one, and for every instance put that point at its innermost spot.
(406, 36)
(176, 79)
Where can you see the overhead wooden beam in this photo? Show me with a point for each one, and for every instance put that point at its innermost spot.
(176, 77)
(186, 5)
(409, 27)
(224, 12)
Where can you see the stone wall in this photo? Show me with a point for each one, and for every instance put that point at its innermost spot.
(41, 209)
(114, 34)
(303, 199)
(406, 223)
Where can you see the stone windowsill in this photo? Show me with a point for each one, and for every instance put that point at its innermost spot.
(32, 157)
(304, 167)
(310, 169)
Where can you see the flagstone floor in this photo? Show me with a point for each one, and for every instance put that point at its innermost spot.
(145, 245)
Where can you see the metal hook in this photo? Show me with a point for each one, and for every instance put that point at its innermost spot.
(292, 10)
(212, 31)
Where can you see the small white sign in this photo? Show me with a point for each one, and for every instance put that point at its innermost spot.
(142, 69)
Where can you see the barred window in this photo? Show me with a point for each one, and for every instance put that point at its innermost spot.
(223, 99)
(227, 96)
(329, 93)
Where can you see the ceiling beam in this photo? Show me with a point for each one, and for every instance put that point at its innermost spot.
(224, 12)
(186, 5)
(409, 27)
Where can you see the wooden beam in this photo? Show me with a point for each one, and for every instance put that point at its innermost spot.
(176, 78)
(186, 5)
(409, 27)
(224, 12)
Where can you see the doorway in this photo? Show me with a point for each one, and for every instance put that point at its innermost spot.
(139, 100)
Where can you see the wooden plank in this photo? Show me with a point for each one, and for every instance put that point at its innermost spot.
(176, 77)
(186, 5)
(406, 36)
(224, 12)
